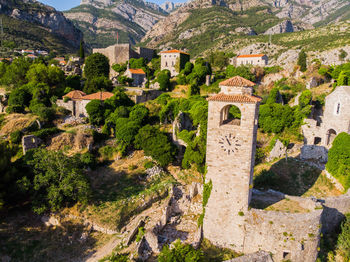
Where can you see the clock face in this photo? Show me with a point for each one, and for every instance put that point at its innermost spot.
(229, 143)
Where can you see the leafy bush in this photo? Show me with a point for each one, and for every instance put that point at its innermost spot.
(343, 243)
(148, 165)
(274, 118)
(58, 180)
(242, 71)
(46, 132)
(339, 159)
(155, 144)
(16, 137)
(164, 80)
(98, 83)
(180, 253)
(107, 152)
(140, 234)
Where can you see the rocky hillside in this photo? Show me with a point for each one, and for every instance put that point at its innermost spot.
(171, 6)
(100, 20)
(203, 24)
(30, 24)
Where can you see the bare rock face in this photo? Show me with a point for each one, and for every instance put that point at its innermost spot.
(171, 6)
(277, 151)
(284, 27)
(48, 17)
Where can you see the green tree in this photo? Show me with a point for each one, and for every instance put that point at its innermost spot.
(339, 159)
(242, 71)
(7, 173)
(180, 253)
(155, 144)
(344, 78)
(58, 181)
(82, 50)
(302, 61)
(274, 118)
(137, 63)
(73, 81)
(95, 110)
(96, 65)
(126, 130)
(139, 113)
(15, 74)
(273, 96)
(19, 98)
(120, 68)
(96, 84)
(164, 80)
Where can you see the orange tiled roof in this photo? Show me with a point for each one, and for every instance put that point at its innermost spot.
(254, 55)
(75, 94)
(221, 97)
(137, 71)
(174, 51)
(237, 81)
(99, 96)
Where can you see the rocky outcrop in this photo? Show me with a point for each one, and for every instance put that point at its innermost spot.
(102, 19)
(171, 6)
(277, 151)
(284, 27)
(36, 13)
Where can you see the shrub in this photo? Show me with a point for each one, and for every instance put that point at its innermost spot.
(140, 234)
(46, 132)
(343, 243)
(180, 253)
(107, 152)
(148, 165)
(16, 137)
(164, 80)
(339, 159)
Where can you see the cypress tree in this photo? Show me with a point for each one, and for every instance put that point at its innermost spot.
(81, 50)
(302, 61)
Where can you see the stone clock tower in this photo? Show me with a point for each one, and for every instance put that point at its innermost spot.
(231, 142)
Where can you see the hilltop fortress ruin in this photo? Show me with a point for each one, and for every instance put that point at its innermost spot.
(229, 221)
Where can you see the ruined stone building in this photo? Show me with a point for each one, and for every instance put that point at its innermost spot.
(228, 220)
(170, 58)
(121, 53)
(138, 75)
(254, 59)
(77, 101)
(335, 119)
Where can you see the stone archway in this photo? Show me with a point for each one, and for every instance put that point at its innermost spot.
(230, 115)
(331, 134)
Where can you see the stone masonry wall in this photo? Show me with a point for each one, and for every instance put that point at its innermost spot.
(334, 211)
(286, 236)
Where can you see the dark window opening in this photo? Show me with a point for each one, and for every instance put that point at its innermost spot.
(338, 108)
(317, 140)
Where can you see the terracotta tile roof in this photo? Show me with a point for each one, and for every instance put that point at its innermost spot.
(254, 55)
(75, 94)
(174, 51)
(237, 81)
(137, 71)
(221, 97)
(99, 96)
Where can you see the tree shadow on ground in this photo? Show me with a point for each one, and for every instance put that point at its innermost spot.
(291, 177)
(23, 237)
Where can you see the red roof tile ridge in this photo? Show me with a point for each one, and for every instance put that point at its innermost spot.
(237, 81)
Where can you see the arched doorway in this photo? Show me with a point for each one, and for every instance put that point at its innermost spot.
(331, 134)
(230, 115)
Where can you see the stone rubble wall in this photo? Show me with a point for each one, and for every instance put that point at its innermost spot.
(334, 211)
(281, 232)
(313, 152)
(260, 256)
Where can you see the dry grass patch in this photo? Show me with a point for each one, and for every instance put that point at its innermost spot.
(15, 122)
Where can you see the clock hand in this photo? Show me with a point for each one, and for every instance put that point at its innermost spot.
(228, 141)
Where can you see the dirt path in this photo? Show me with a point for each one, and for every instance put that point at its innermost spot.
(105, 250)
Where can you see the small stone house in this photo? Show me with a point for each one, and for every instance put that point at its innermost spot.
(138, 75)
(169, 59)
(254, 59)
(79, 100)
(335, 119)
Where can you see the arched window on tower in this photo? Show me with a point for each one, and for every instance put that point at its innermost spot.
(230, 115)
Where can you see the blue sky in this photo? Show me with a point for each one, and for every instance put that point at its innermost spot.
(68, 4)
